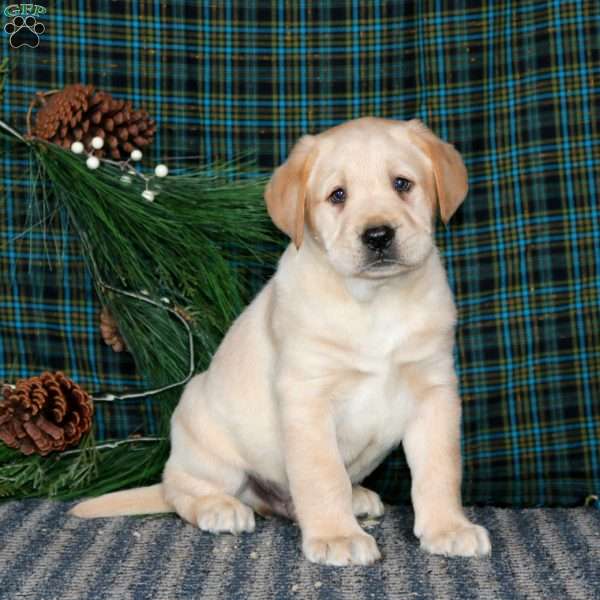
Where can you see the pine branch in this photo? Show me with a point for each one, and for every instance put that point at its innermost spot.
(198, 244)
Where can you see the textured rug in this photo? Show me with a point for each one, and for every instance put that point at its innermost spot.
(550, 554)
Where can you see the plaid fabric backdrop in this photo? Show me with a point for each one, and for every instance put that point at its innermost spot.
(513, 84)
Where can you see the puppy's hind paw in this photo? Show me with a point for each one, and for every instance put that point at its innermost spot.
(223, 514)
(366, 502)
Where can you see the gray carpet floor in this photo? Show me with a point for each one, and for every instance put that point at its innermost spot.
(550, 554)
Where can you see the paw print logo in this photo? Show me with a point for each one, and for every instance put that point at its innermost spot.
(24, 31)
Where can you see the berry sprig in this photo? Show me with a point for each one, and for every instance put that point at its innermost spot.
(93, 162)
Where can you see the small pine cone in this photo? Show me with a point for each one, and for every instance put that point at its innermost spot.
(110, 331)
(44, 414)
(80, 113)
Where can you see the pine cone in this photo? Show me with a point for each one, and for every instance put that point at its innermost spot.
(80, 112)
(43, 414)
(110, 331)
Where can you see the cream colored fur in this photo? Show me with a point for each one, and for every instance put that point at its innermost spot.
(336, 361)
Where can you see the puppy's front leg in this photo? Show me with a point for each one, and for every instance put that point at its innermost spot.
(319, 484)
(432, 447)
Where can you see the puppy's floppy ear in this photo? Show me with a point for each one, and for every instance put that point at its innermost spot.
(285, 194)
(449, 170)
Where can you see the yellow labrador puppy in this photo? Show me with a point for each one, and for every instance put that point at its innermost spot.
(346, 352)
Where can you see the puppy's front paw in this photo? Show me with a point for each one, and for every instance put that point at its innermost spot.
(366, 502)
(354, 549)
(220, 514)
(461, 539)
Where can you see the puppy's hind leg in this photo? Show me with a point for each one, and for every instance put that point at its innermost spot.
(206, 504)
(205, 471)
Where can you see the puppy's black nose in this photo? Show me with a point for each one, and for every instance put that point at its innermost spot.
(378, 238)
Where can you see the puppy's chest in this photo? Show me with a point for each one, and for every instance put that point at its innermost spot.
(373, 392)
(375, 400)
(371, 420)
(385, 340)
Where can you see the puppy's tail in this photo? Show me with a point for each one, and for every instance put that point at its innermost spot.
(137, 501)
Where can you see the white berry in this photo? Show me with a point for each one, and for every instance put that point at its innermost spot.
(161, 170)
(77, 148)
(97, 142)
(125, 179)
(93, 162)
(149, 195)
(136, 155)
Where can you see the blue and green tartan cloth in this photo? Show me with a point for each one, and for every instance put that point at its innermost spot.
(513, 84)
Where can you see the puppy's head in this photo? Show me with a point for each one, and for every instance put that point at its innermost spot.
(367, 192)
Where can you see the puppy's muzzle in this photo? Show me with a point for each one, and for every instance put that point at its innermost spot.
(378, 239)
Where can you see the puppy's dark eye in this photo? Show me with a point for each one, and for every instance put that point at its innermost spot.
(402, 185)
(338, 196)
